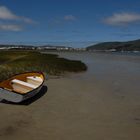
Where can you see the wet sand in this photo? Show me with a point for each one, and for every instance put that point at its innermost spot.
(100, 104)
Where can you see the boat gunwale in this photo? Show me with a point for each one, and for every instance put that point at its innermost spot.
(28, 91)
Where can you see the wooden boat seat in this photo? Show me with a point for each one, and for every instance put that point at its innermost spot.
(21, 86)
(35, 80)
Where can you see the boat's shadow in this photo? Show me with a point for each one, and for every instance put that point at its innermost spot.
(29, 101)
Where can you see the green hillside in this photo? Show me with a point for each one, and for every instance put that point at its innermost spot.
(117, 46)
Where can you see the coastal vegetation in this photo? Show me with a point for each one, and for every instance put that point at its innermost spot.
(14, 62)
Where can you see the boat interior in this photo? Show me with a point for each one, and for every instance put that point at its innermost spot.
(23, 83)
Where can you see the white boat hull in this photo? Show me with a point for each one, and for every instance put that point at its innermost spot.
(15, 97)
(21, 87)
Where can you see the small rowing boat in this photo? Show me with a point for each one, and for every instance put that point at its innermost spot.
(21, 87)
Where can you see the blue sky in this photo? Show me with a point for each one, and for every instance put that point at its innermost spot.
(69, 22)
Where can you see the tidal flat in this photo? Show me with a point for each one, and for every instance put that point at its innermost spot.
(102, 103)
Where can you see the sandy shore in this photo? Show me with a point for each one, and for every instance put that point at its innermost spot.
(100, 104)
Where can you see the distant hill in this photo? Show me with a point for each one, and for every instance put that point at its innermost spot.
(116, 46)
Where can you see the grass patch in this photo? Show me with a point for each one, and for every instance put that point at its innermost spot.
(14, 62)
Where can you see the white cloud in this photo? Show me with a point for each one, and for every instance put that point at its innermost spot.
(119, 19)
(69, 17)
(10, 27)
(28, 20)
(60, 22)
(6, 14)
